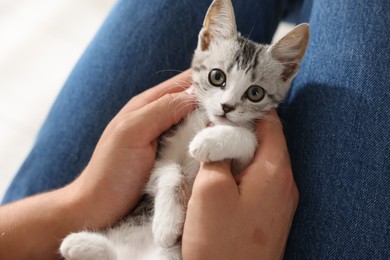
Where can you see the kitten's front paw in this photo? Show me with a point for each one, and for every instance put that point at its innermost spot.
(86, 246)
(207, 146)
(222, 142)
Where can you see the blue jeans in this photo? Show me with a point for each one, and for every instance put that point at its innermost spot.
(337, 116)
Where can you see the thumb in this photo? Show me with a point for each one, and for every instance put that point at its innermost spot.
(215, 180)
(164, 112)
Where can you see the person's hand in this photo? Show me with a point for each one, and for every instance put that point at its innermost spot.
(108, 188)
(112, 183)
(248, 216)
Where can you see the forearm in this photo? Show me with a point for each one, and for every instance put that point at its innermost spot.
(33, 228)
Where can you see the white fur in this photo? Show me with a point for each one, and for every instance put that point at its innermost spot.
(224, 142)
(87, 246)
(169, 215)
(133, 242)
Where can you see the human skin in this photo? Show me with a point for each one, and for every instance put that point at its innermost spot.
(248, 216)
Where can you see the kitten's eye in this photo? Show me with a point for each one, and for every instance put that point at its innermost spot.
(255, 93)
(217, 78)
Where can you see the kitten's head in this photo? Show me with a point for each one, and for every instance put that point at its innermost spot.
(236, 80)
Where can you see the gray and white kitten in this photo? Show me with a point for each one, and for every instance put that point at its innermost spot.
(236, 82)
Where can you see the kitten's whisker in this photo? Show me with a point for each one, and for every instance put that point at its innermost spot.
(183, 105)
(253, 121)
(182, 80)
(288, 63)
(176, 84)
(183, 87)
(271, 119)
(185, 83)
(189, 82)
(167, 90)
(253, 27)
(169, 70)
(184, 102)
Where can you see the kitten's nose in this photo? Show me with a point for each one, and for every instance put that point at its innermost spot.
(227, 108)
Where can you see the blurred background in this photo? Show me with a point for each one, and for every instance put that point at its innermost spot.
(40, 42)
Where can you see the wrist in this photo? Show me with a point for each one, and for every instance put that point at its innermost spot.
(88, 203)
(79, 206)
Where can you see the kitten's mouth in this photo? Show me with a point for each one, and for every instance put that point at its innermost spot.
(222, 120)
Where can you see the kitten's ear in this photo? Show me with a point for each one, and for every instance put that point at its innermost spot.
(219, 23)
(291, 48)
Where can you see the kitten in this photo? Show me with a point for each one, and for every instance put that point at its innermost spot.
(236, 82)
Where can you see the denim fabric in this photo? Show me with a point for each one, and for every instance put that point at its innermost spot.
(336, 118)
(337, 121)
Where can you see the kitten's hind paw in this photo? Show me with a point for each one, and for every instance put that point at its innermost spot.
(87, 246)
(164, 236)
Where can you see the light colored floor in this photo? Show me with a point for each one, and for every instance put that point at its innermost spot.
(41, 41)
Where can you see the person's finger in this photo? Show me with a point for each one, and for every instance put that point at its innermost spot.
(158, 116)
(215, 180)
(173, 85)
(271, 162)
(269, 133)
